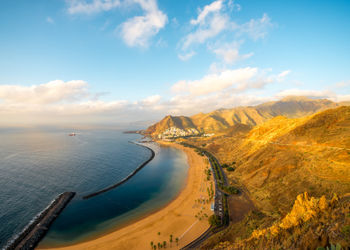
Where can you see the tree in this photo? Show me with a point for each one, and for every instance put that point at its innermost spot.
(158, 233)
(164, 244)
(177, 241)
(151, 244)
(214, 220)
(171, 239)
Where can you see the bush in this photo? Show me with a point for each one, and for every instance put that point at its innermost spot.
(231, 169)
(214, 220)
(225, 165)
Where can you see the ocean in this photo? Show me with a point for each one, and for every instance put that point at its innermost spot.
(38, 164)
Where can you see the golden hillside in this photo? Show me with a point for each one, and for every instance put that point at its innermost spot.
(281, 158)
(181, 122)
(311, 223)
(252, 115)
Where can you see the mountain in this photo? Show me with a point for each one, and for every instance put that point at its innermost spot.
(222, 119)
(276, 161)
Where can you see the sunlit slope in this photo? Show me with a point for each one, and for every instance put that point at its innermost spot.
(283, 157)
(219, 120)
(181, 122)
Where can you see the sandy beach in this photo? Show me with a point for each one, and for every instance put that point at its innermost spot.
(184, 218)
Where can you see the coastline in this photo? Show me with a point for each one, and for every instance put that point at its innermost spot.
(177, 218)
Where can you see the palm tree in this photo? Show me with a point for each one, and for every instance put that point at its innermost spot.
(164, 244)
(177, 241)
(151, 244)
(171, 239)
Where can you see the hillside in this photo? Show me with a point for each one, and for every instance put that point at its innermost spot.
(222, 119)
(281, 158)
(311, 223)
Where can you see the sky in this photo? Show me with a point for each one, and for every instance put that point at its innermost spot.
(110, 61)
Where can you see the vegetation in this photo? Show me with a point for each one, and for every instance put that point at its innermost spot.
(225, 165)
(214, 220)
(229, 189)
(231, 169)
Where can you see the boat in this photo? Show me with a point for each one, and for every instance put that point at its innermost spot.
(72, 134)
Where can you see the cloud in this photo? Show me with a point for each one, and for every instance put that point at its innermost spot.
(256, 28)
(72, 102)
(47, 93)
(342, 84)
(50, 20)
(215, 18)
(151, 100)
(138, 30)
(328, 94)
(229, 53)
(90, 7)
(187, 56)
(209, 23)
(302, 92)
(237, 80)
(213, 7)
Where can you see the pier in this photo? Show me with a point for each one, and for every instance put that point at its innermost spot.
(126, 178)
(31, 235)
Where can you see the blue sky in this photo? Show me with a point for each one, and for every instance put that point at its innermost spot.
(112, 60)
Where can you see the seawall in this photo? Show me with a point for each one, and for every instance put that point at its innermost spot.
(38, 227)
(126, 178)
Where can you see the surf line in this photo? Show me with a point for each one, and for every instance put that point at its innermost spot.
(126, 178)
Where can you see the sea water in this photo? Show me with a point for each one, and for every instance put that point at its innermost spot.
(38, 164)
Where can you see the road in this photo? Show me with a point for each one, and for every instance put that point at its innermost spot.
(218, 205)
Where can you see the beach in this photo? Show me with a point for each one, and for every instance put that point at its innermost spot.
(184, 218)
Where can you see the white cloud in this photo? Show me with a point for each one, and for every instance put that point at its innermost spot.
(187, 56)
(51, 92)
(213, 7)
(72, 102)
(211, 22)
(50, 20)
(89, 7)
(342, 84)
(138, 30)
(302, 92)
(210, 26)
(151, 100)
(230, 54)
(314, 94)
(256, 28)
(284, 73)
(238, 80)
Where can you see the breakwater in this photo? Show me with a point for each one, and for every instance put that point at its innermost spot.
(38, 227)
(126, 178)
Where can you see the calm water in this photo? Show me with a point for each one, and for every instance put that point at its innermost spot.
(37, 165)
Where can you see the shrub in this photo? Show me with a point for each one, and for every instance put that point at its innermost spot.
(231, 169)
(214, 220)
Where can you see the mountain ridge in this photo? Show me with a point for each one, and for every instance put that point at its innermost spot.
(221, 119)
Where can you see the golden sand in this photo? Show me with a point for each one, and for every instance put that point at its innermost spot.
(178, 218)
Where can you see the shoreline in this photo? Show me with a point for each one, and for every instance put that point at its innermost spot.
(176, 218)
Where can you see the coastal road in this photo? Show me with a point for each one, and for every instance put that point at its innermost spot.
(218, 205)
